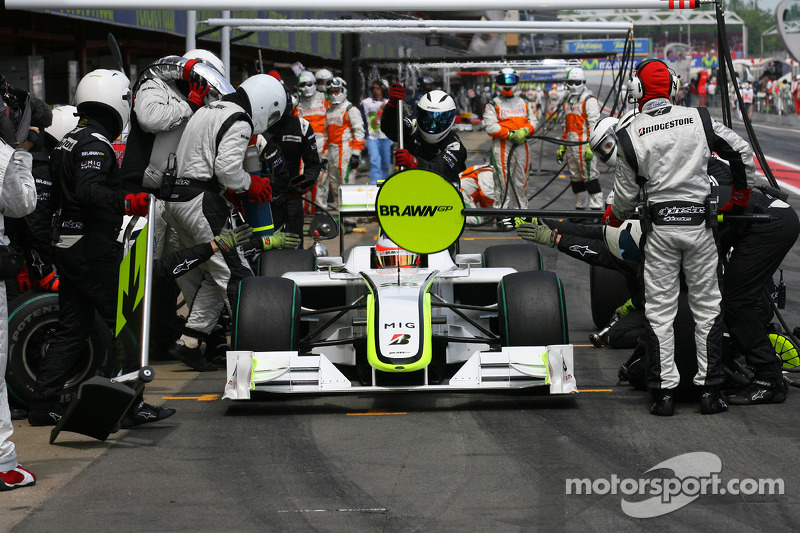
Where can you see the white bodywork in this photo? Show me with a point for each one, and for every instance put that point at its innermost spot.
(481, 367)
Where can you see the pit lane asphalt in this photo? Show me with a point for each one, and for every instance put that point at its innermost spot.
(413, 462)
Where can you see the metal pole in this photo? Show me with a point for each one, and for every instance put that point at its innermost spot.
(225, 42)
(191, 30)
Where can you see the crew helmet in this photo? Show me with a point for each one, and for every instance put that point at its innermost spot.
(603, 139)
(65, 118)
(336, 90)
(204, 56)
(267, 100)
(322, 76)
(390, 255)
(106, 89)
(625, 241)
(307, 84)
(576, 80)
(507, 80)
(436, 114)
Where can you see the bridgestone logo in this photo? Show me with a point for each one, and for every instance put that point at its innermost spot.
(666, 125)
(413, 210)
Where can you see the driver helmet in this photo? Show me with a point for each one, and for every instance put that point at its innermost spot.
(436, 114)
(307, 84)
(322, 76)
(576, 80)
(336, 90)
(507, 80)
(204, 56)
(390, 255)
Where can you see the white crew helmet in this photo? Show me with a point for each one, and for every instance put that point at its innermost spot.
(625, 241)
(107, 89)
(267, 100)
(204, 56)
(507, 80)
(65, 118)
(322, 76)
(436, 114)
(307, 84)
(576, 80)
(336, 90)
(603, 139)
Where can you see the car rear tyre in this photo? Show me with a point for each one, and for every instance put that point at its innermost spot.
(32, 322)
(608, 290)
(521, 257)
(532, 310)
(278, 262)
(267, 315)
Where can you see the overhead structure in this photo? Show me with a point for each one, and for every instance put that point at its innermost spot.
(683, 17)
(351, 5)
(513, 25)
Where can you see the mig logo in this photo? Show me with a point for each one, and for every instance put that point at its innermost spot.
(399, 338)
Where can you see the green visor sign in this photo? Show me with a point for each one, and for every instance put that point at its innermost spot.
(420, 211)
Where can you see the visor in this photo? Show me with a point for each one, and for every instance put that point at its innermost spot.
(507, 78)
(574, 82)
(435, 121)
(306, 84)
(397, 258)
(605, 149)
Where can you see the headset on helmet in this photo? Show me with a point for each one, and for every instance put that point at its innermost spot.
(65, 118)
(107, 89)
(267, 100)
(636, 88)
(436, 114)
(336, 90)
(204, 56)
(322, 76)
(390, 255)
(15, 114)
(507, 79)
(307, 84)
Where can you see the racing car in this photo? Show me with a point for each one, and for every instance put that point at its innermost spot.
(425, 322)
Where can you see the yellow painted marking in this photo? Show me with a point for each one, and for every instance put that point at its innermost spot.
(596, 390)
(203, 398)
(583, 345)
(375, 412)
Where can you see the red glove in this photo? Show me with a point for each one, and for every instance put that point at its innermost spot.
(738, 202)
(260, 190)
(403, 158)
(49, 282)
(137, 205)
(197, 93)
(396, 93)
(24, 280)
(233, 198)
(610, 219)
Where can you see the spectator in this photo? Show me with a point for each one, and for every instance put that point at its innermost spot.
(379, 146)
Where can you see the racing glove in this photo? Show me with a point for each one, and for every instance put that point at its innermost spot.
(625, 308)
(260, 190)
(136, 205)
(355, 160)
(49, 282)
(560, 154)
(519, 136)
(538, 233)
(229, 239)
(280, 240)
(610, 219)
(197, 94)
(403, 158)
(518, 221)
(738, 202)
(587, 153)
(298, 185)
(396, 93)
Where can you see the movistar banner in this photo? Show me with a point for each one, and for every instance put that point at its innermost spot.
(315, 43)
(642, 46)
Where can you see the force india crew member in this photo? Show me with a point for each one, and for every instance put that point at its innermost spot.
(17, 198)
(508, 119)
(431, 142)
(87, 255)
(210, 158)
(344, 130)
(312, 106)
(581, 113)
(663, 155)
